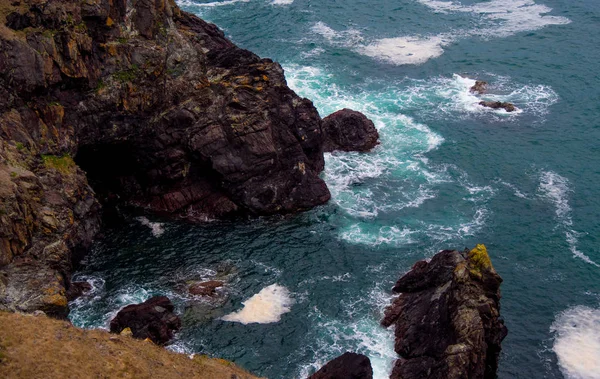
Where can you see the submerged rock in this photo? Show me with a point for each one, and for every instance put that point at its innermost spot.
(346, 366)
(509, 107)
(479, 87)
(77, 289)
(205, 288)
(153, 319)
(349, 130)
(447, 317)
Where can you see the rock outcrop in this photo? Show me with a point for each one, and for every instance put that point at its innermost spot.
(206, 288)
(479, 87)
(447, 317)
(349, 130)
(153, 319)
(509, 107)
(346, 366)
(152, 108)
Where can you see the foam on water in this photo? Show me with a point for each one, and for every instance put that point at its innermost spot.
(282, 2)
(577, 342)
(555, 188)
(157, 228)
(265, 307)
(493, 19)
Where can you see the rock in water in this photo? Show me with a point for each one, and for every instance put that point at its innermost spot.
(153, 319)
(509, 107)
(479, 87)
(135, 103)
(349, 130)
(77, 289)
(205, 288)
(447, 318)
(346, 366)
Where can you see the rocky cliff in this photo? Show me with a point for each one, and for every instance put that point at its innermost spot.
(136, 103)
(447, 318)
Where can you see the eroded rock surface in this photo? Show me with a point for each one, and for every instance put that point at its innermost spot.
(509, 107)
(152, 108)
(153, 319)
(349, 130)
(447, 317)
(346, 366)
(479, 87)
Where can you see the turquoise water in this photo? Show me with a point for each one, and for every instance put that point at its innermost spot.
(447, 174)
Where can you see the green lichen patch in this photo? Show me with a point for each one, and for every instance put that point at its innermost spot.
(64, 164)
(127, 75)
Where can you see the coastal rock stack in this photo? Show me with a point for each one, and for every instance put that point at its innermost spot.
(447, 317)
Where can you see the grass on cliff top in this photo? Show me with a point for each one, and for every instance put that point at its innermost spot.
(64, 163)
(40, 347)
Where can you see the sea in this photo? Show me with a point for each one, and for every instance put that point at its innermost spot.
(448, 174)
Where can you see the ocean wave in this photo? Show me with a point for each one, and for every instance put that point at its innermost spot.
(555, 188)
(493, 19)
(577, 342)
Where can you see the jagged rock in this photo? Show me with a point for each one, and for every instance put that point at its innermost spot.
(479, 87)
(159, 109)
(447, 318)
(77, 289)
(509, 107)
(346, 366)
(205, 288)
(153, 319)
(349, 130)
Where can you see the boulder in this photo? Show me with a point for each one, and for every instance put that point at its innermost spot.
(346, 366)
(479, 87)
(205, 288)
(153, 319)
(77, 289)
(349, 130)
(447, 318)
(509, 107)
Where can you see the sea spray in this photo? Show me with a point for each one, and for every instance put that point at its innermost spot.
(265, 307)
(577, 342)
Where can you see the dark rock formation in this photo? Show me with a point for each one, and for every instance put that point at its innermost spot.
(205, 288)
(447, 317)
(349, 130)
(346, 366)
(479, 87)
(509, 107)
(158, 108)
(77, 289)
(152, 319)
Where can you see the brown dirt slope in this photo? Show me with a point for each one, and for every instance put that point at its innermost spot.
(40, 347)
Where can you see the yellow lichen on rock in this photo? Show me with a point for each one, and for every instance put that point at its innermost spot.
(479, 260)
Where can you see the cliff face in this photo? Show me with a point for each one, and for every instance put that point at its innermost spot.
(149, 106)
(447, 318)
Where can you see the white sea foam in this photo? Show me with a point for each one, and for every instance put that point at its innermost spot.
(577, 342)
(555, 188)
(406, 50)
(493, 19)
(265, 307)
(282, 2)
(157, 228)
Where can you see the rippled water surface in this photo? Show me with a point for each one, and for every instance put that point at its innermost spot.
(448, 174)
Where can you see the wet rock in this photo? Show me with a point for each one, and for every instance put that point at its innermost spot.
(447, 317)
(349, 130)
(205, 288)
(479, 87)
(509, 107)
(346, 366)
(77, 289)
(153, 319)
